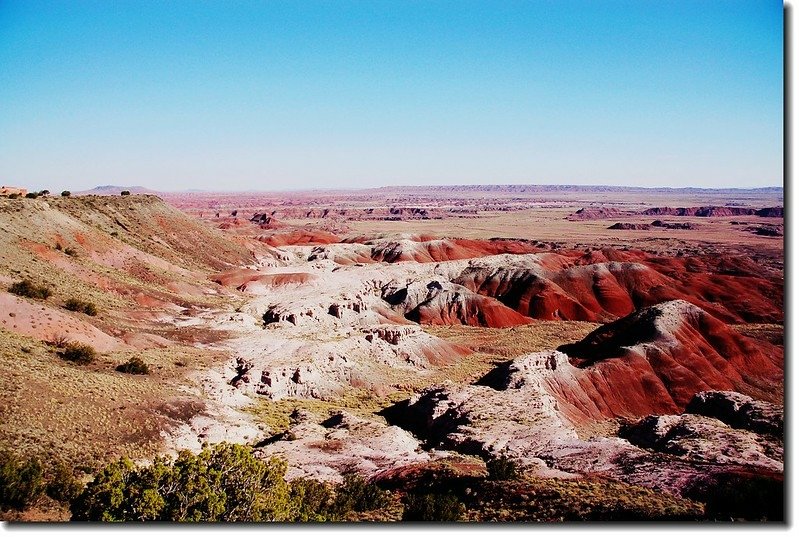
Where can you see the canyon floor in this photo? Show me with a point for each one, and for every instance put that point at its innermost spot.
(597, 337)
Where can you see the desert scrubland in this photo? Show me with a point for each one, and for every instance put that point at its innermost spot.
(514, 353)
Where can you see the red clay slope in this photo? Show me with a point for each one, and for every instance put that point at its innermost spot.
(429, 251)
(454, 305)
(655, 360)
(300, 237)
(604, 291)
(242, 278)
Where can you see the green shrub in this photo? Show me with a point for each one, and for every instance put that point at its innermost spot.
(134, 366)
(312, 501)
(357, 494)
(125, 193)
(66, 193)
(733, 497)
(62, 485)
(433, 508)
(502, 469)
(226, 483)
(32, 195)
(21, 482)
(44, 192)
(74, 304)
(79, 353)
(28, 289)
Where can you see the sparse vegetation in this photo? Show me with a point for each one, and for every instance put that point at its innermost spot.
(24, 481)
(58, 341)
(62, 485)
(28, 289)
(70, 251)
(357, 494)
(74, 304)
(557, 500)
(502, 469)
(32, 195)
(433, 507)
(125, 193)
(313, 501)
(134, 366)
(21, 481)
(66, 193)
(79, 353)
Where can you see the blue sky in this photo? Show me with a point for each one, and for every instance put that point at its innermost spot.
(274, 95)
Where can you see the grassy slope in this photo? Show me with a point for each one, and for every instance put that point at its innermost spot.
(124, 249)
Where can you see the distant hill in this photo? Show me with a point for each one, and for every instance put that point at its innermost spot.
(114, 190)
(568, 188)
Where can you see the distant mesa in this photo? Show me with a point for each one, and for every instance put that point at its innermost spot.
(766, 230)
(537, 189)
(673, 225)
(712, 211)
(656, 223)
(774, 212)
(596, 213)
(629, 226)
(394, 213)
(600, 213)
(114, 190)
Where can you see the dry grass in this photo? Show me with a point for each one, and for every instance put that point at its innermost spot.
(91, 413)
(35, 234)
(87, 414)
(557, 500)
(359, 402)
(493, 345)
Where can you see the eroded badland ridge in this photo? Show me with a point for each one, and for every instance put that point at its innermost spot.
(403, 333)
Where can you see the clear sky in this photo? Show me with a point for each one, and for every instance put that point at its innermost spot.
(267, 95)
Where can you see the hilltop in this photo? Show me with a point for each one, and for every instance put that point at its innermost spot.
(143, 267)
